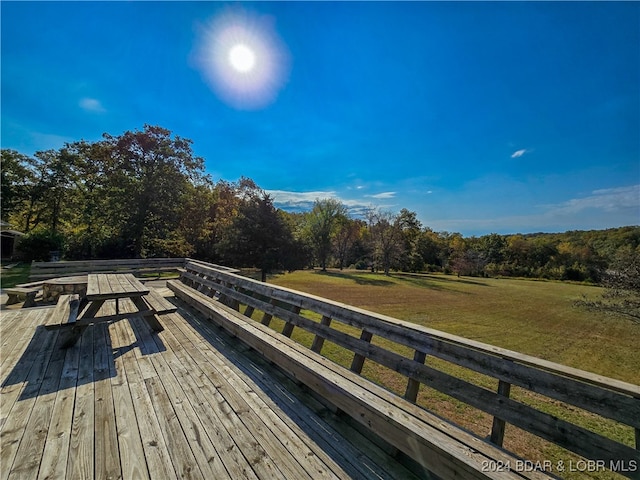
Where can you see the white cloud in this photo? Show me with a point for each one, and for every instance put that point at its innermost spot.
(383, 195)
(608, 200)
(91, 105)
(519, 153)
(294, 198)
(603, 208)
(303, 201)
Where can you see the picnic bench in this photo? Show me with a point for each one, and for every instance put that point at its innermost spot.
(436, 444)
(74, 314)
(22, 294)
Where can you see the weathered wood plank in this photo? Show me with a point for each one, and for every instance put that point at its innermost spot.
(318, 341)
(106, 451)
(175, 380)
(603, 401)
(24, 383)
(151, 441)
(274, 459)
(158, 303)
(334, 451)
(499, 424)
(182, 457)
(45, 270)
(405, 332)
(439, 454)
(81, 459)
(29, 453)
(221, 420)
(56, 450)
(108, 286)
(16, 340)
(413, 385)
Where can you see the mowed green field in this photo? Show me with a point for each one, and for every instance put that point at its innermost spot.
(534, 317)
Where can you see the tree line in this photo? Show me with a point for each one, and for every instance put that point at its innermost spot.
(145, 194)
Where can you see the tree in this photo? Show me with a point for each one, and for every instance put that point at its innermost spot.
(15, 180)
(347, 233)
(322, 224)
(622, 283)
(386, 237)
(153, 171)
(432, 248)
(98, 202)
(258, 236)
(411, 229)
(470, 262)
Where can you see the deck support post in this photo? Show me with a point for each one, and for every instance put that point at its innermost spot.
(287, 330)
(413, 385)
(318, 341)
(358, 360)
(497, 431)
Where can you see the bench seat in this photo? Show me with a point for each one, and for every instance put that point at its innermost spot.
(439, 446)
(158, 303)
(18, 294)
(64, 316)
(65, 313)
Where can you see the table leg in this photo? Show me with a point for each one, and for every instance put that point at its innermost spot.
(92, 309)
(150, 318)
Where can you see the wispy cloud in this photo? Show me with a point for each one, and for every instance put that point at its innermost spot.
(303, 201)
(383, 195)
(519, 153)
(603, 208)
(608, 200)
(91, 105)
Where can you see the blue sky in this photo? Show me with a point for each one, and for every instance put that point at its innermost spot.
(481, 117)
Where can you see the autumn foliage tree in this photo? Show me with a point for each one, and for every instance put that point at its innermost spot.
(144, 193)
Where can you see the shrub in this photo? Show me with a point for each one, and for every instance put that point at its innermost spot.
(38, 245)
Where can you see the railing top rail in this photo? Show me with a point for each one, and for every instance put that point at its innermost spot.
(125, 261)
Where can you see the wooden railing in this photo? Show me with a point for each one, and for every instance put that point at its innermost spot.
(331, 321)
(137, 266)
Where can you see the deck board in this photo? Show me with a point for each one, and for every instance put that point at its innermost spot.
(188, 402)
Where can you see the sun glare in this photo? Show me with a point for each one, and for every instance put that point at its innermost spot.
(243, 59)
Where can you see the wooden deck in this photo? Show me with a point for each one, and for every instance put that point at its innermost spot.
(188, 402)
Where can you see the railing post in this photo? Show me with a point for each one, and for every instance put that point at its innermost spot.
(249, 311)
(358, 360)
(318, 341)
(287, 330)
(497, 431)
(266, 318)
(413, 385)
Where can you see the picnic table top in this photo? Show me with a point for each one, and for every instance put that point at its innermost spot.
(103, 286)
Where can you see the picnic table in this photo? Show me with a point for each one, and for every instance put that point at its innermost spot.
(78, 313)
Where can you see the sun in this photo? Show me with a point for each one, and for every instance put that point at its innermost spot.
(242, 58)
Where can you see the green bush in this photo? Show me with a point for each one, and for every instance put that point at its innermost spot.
(38, 245)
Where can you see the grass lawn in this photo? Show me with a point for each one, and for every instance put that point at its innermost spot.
(533, 317)
(17, 274)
